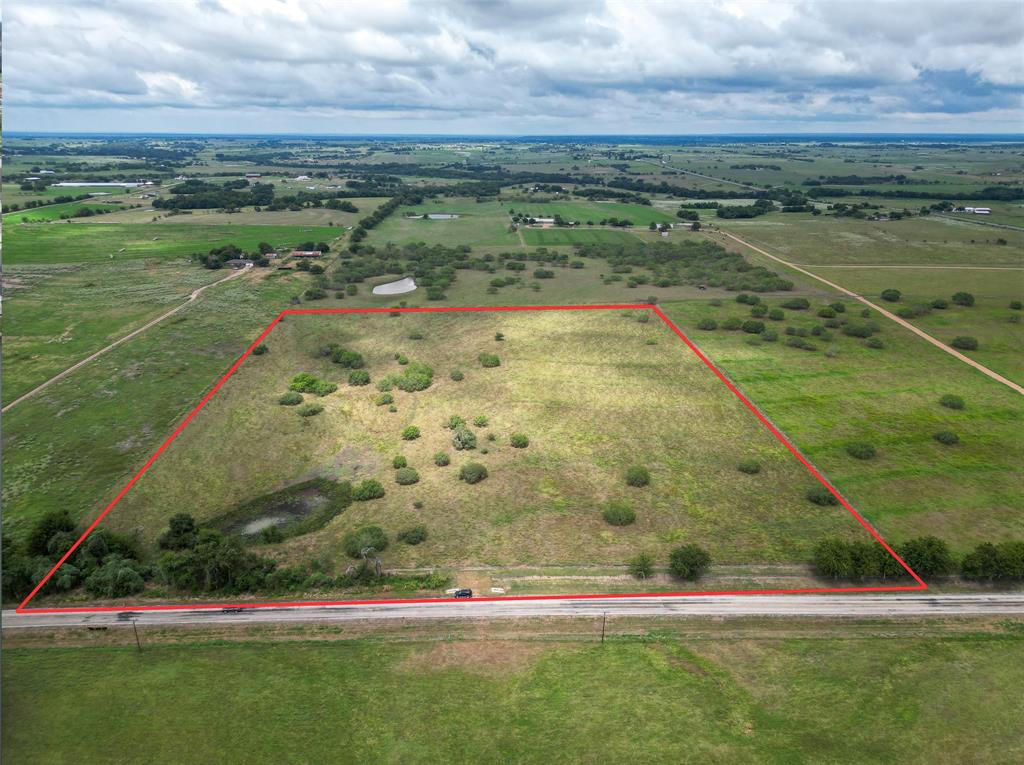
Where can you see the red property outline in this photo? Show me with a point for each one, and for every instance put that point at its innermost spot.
(466, 309)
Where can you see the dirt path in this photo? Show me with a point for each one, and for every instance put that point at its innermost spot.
(519, 231)
(887, 314)
(909, 265)
(191, 298)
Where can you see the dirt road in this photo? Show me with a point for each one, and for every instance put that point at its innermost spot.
(887, 314)
(191, 298)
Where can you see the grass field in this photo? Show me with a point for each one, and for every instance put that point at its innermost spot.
(641, 215)
(311, 216)
(605, 400)
(847, 392)
(478, 224)
(872, 700)
(78, 243)
(54, 212)
(59, 314)
(561, 236)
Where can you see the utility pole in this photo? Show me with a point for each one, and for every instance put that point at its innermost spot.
(604, 619)
(138, 643)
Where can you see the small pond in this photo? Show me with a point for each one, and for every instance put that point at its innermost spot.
(400, 287)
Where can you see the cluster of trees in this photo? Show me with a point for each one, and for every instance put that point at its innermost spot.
(674, 263)
(196, 194)
(686, 562)
(358, 233)
(990, 193)
(760, 207)
(927, 556)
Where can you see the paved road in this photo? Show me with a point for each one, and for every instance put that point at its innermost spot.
(827, 606)
(191, 298)
(887, 314)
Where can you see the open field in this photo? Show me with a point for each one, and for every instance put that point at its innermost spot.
(310, 216)
(868, 698)
(77, 243)
(616, 393)
(58, 314)
(483, 224)
(641, 215)
(888, 397)
(562, 236)
(54, 212)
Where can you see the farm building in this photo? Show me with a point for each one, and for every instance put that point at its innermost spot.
(306, 254)
(979, 210)
(237, 263)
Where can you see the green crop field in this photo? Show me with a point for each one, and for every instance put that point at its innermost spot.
(617, 392)
(55, 212)
(873, 699)
(77, 243)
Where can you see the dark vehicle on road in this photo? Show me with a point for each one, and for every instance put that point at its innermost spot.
(464, 593)
(233, 610)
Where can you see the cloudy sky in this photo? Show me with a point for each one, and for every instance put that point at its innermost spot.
(513, 66)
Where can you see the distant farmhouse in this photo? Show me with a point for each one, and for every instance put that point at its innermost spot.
(306, 254)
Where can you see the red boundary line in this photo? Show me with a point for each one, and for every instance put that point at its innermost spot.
(466, 309)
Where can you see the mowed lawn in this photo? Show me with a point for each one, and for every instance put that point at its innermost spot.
(595, 391)
(82, 242)
(54, 212)
(845, 392)
(870, 700)
(551, 237)
(57, 314)
(483, 224)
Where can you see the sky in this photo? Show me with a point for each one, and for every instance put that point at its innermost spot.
(514, 67)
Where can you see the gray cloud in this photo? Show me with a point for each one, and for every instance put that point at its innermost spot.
(513, 66)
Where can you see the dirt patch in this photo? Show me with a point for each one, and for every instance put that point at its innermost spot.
(490, 658)
(353, 463)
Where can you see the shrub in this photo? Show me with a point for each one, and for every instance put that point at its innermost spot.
(874, 342)
(638, 476)
(406, 476)
(463, 439)
(861, 450)
(776, 314)
(489, 360)
(370, 538)
(707, 324)
(457, 376)
(402, 360)
(308, 410)
(345, 358)
(367, 490)
(382, 399)
(410, 433)
(499, 336)
(753, 327)
(819, 495)
(412, 535)
(414, 377)
(271, 535)
(304, 382)
(481, 421)
(358, 377)
(963, 298)
(392, 408)
(732, 324)
(769, 335)
(519, 441)
(291, 398)
(1016, 305)
(641, 565)
(891, 295)
(259, 350)
(826, 313)
(455, 422)
(415, 335)
(928, 556)
(618, 514)
(759, 311)
(689, 561)
(940, 304)
(418, 504)
(399, 462)
(947, 437)
(951, 401)
(715, 302)
(441, 459)
(750, 467)
(472, 472)
(965, 343)
(797, 304)
(837, 307)
(116, 578)
(858, 330)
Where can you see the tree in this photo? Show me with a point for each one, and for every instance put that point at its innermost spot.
(367, 490)
(891, 295)
(365, 542)
(832, 558)
(928, 556)
(180, 534)
(472, 472)
(689, 561)
(413, 535)
(952, 402)
(963, 298)
(116, 578)
(641, 565)
(965, 343)
(50, 523)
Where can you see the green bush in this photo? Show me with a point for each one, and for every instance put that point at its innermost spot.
(406, 476)
(940, 304)
(304, 382)
(874, 342)
(259, 350)
(963, 298)
(927, 556)
(441, 459)
(641, 566)
(412, 535)
(271, 535)
(481, 421)
(618, 514)
(826, 313)
(776, 314)
(455, 422)
(861, 450)
(402, 360)
(463, 439)
(291, 398)
(370, 538)
(732, 324)
(367, 490)
(358, 377)
(499, 336)
(797, 304)
(753, 327)
(759, 311)
(947, 437)
(472, 472)
(707, 324)
(891, 295)
(489, 360)
(769, 335)
(638, 476)
(309, 410)
(410, 433)
(399, 462)
(383, 399)
(118, 577)
(519, 441)
(965, 343)
(951, 401)
(415, 335)
(414, 377)
(749, 466)
(856, 329)
(819, 495)
(457, 375)
(689, 561)
(837, 307)
(1016, 305)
